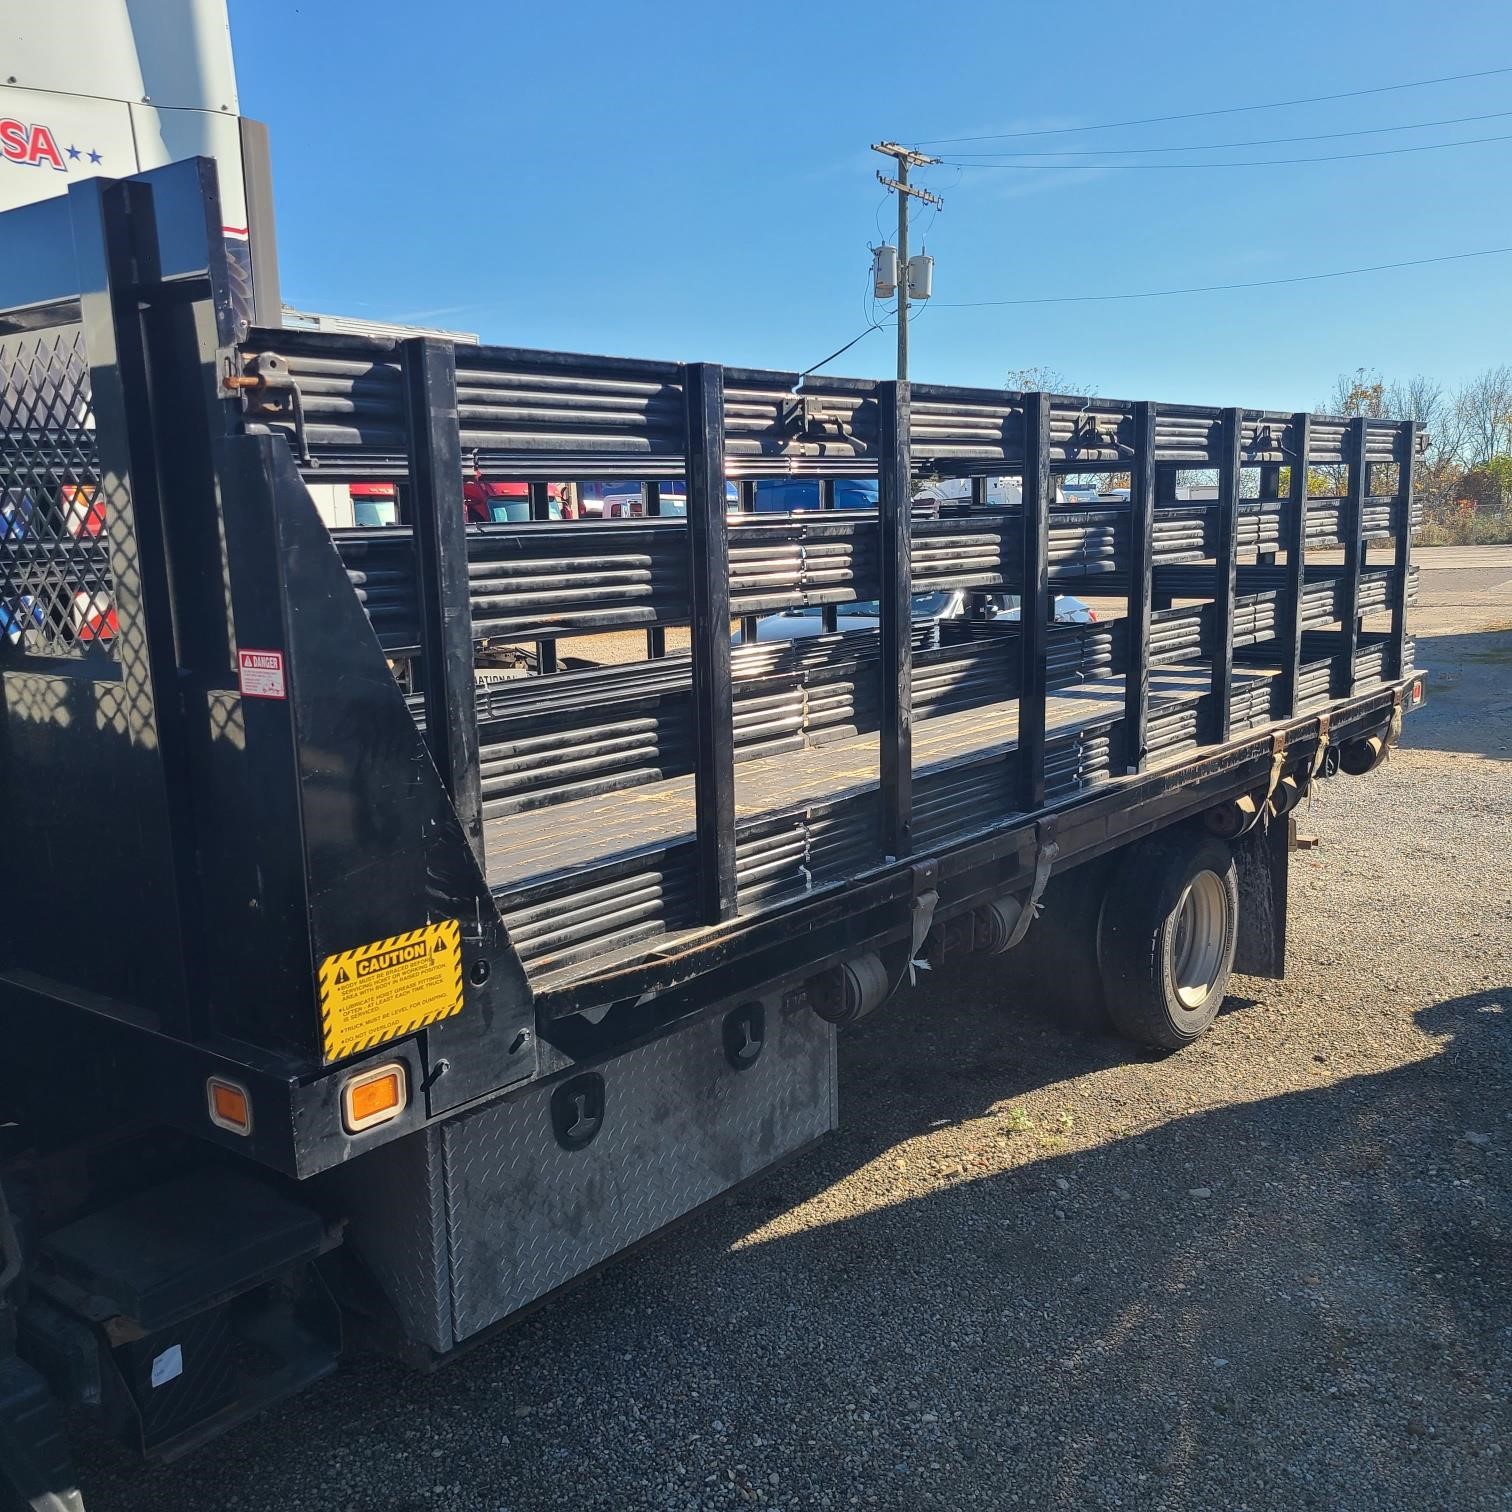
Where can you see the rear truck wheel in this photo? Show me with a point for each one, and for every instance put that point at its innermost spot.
(1169, 926)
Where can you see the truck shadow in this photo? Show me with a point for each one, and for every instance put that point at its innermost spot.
(1291, 1301)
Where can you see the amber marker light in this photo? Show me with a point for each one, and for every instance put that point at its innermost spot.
(374, 1097)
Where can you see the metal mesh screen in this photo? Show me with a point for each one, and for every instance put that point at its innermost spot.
(57, 596)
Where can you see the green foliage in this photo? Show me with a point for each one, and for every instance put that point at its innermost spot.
(1322, 482)
(1474, 510)
(1464, 479)
(1465, 530)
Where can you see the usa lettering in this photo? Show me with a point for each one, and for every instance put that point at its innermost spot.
(31, 146)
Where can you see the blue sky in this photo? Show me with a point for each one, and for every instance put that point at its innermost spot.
(692, 181)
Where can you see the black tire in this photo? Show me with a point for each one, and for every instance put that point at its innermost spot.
(1170, 923)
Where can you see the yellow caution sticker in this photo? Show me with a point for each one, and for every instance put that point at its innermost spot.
(395, 986)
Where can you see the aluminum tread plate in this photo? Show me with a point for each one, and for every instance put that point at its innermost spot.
(392, 1198)
(524, 1216)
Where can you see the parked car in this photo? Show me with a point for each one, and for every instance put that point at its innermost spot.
(591, 499)
(497, 503)
(797, 495)
(627, 501)
(1008, 493)
(373, 503)
(945, 604)
(1002, 493)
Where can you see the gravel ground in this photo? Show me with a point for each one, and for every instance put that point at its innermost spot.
(1037, 1269)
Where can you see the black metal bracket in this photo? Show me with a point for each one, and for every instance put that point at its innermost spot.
(269, 390)
(1263, 441)
(1088, 434)
(802, 419)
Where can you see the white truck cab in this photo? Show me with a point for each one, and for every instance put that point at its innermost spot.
(114, 87)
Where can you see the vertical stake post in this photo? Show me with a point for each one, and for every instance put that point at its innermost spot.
(1226, 551)
(748, 622)
(1352, 534)
(440, 526)
(709, 601)
(1141, 589)
(1166, 485)
(540, 510)
(656, 635)
(1401, 540)
(895, 529)
(1294, 538)
(1035, 603)
(829, 614)
(1270, 491)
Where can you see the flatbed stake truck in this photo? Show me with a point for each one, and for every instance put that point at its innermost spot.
(344, 991)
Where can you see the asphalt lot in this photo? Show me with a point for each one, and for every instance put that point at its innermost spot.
(1037, 1269)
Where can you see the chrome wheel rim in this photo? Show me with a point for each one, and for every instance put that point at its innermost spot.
(1198, 938)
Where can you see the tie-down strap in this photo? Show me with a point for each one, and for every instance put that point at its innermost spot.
(1046, 853)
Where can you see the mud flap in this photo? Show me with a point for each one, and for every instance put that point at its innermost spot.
(35, 1464)
(1262, 857)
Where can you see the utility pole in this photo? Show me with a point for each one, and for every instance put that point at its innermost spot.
(905, 159)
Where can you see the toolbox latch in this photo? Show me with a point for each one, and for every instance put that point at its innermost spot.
(577, 1111)
(743, 1034)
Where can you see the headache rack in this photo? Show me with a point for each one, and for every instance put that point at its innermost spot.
(200, 831)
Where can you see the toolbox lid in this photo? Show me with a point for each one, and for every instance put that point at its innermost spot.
(178, 1248)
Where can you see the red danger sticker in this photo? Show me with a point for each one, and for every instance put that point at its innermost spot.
(261, 674)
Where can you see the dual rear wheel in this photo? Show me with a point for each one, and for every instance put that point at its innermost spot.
(1168, 929)
(1143, 940)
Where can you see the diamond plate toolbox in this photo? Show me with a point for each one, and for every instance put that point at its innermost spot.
(680, 1124)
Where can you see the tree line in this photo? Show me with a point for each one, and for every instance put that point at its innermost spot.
(1464, 478)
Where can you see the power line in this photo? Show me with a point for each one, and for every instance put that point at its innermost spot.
(1324, 136)
(869, 306)
(1193, 115)
(1333, 157)
(840, 351)
(1262, 283)
(873, 324)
